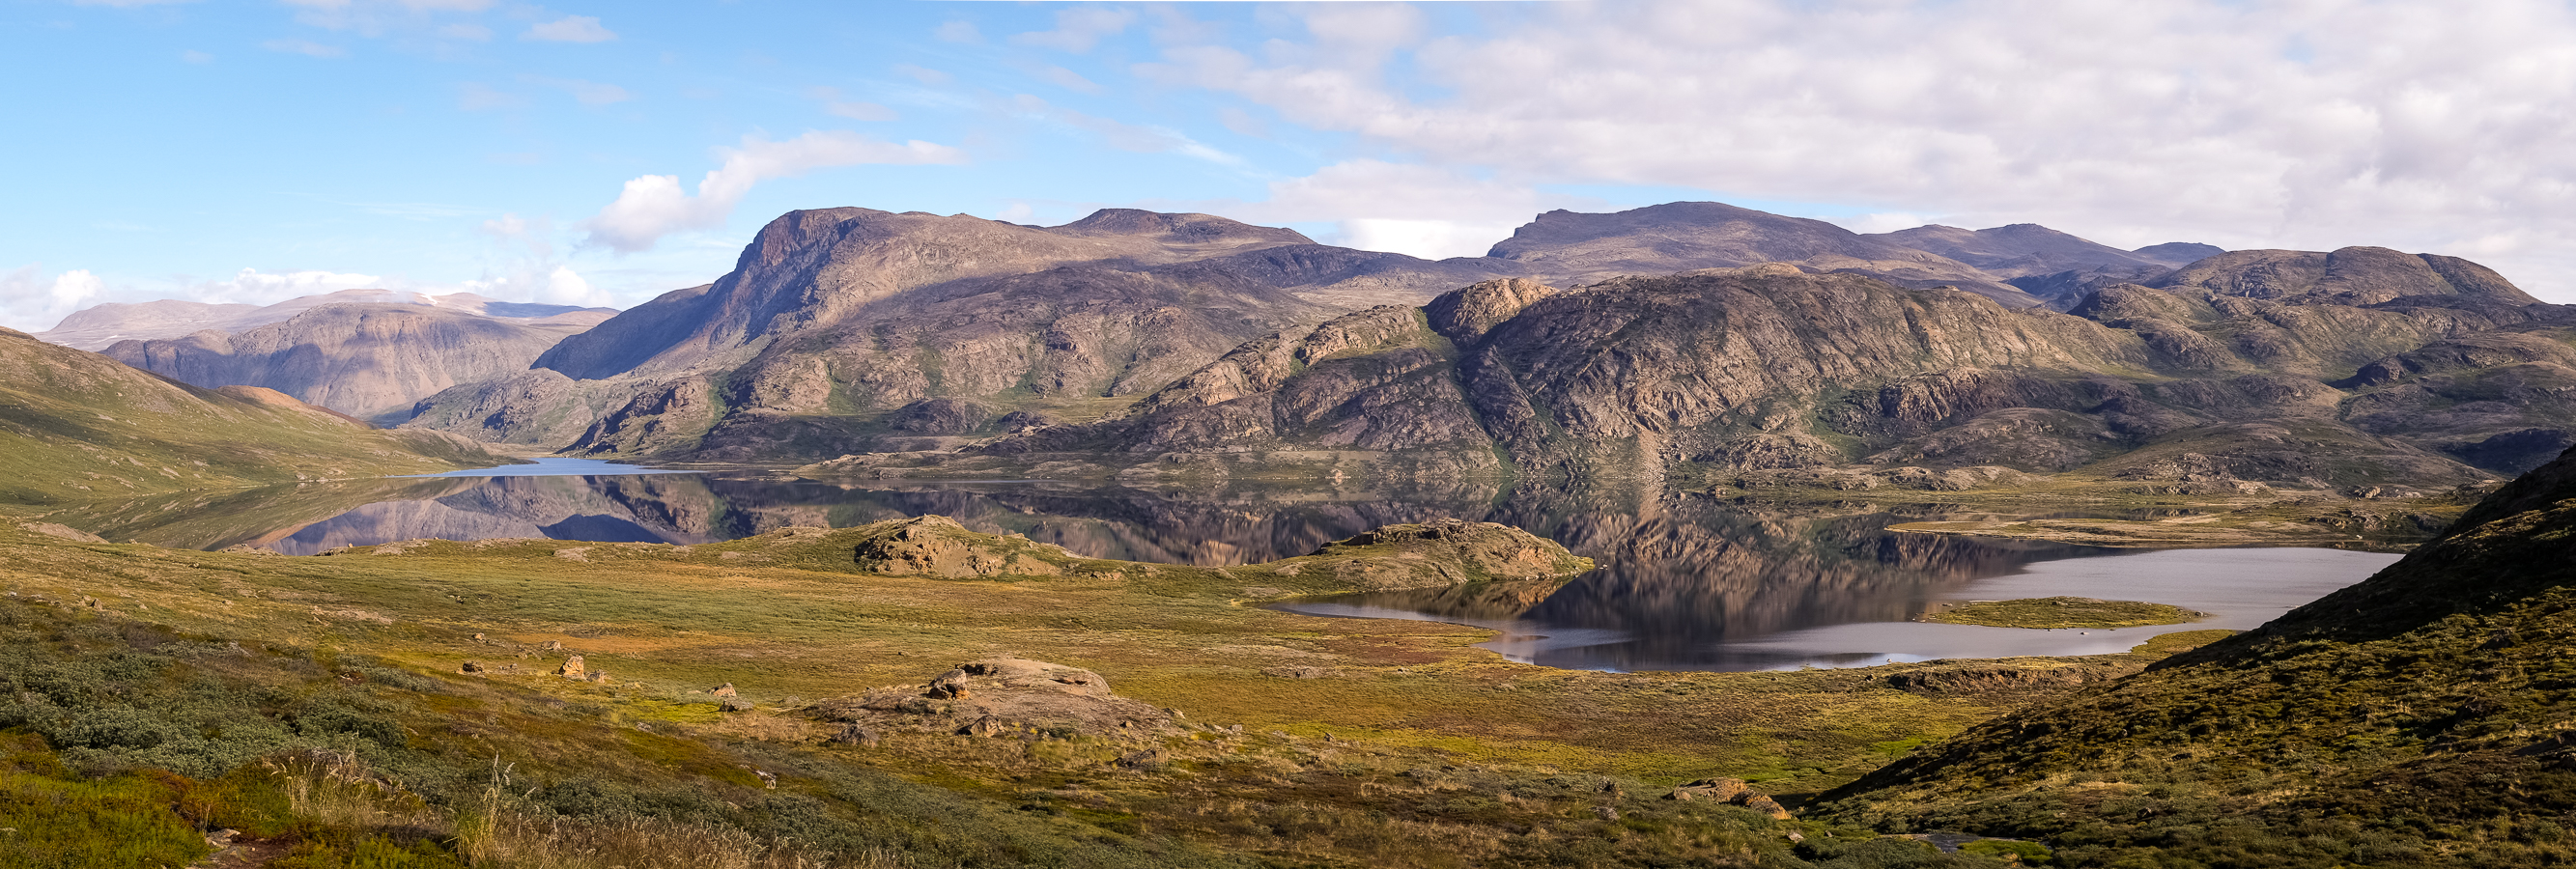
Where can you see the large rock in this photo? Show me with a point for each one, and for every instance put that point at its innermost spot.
(1004, 697)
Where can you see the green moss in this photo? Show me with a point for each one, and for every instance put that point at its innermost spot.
(2062, 612)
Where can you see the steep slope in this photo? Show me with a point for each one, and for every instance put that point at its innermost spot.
(1769, 376)
(78, 425)
(2415, 719)
(101, 326)
(847, 330)
(368, 360)
(1565, 247)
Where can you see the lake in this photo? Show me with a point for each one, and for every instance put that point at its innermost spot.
(1686, 582)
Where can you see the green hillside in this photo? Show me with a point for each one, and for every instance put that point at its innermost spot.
(2421, 718)
(75, 425)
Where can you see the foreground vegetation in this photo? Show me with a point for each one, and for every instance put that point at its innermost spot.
(2420, 718)
(320, 706)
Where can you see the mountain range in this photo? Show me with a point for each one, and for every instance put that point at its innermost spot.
(1584, 341)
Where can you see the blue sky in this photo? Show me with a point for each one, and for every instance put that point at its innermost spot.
(250, 151)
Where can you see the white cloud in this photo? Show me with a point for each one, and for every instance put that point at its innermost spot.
(564, 287)
(377, 17)
(1078, 29)
(2311, 124)
(308, 49)
(29, 302)
(958, 31)
(570, 28)
(196, 57)
(256, 287)
(655, 205)
(468, 32)
(124, 4)
(1423, 211)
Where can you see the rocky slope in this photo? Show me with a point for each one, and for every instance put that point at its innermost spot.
(1770, 375)
(852, 329)
(2413, 719)
(368, 360)
(79, 425)
(102, 326)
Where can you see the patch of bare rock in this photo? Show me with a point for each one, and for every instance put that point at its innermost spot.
(998, 697)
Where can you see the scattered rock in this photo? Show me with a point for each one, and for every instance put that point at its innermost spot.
(1722, 790)
(575, 553)
(724, 690)
(1605, 813)
(734, 704)
(572, 667)
(470, 667)
(65, 532)
(1297, 672)
(554, 645)
(854, 734)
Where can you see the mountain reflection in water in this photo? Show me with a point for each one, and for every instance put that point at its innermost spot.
(1686, 582)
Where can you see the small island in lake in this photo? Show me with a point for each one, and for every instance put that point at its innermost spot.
(2062, 612)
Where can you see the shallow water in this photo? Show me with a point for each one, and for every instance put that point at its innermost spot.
(1686, 582)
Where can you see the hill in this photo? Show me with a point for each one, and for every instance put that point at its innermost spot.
(367, 360)
(76, 425)
(100, 326)
(2415, 719)
(1770, 376)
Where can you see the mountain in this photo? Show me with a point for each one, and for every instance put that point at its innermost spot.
(367, 360)
(76, 425)
(101, 326)
(2349, 276)
(1771, 375)
(853, 329)
(2415, 719)
(2054, 266)
(1566, 248)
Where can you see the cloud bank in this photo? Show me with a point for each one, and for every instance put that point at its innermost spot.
(653, 206)
(2310, 124)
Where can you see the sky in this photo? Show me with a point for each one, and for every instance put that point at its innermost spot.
(597, 153)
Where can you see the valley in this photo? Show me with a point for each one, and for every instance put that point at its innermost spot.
(1684, 535)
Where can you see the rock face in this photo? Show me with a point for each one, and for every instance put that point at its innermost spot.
(2377, 704)
(366, 360)
(78, 425)
(1770, 372)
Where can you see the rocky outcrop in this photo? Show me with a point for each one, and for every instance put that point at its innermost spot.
(1003, 697)
(1774, 375)
(364, 360)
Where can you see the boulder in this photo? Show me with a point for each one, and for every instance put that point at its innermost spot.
(998, 696)
(572, 668)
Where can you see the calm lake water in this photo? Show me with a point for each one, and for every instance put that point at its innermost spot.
(1686, 582)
